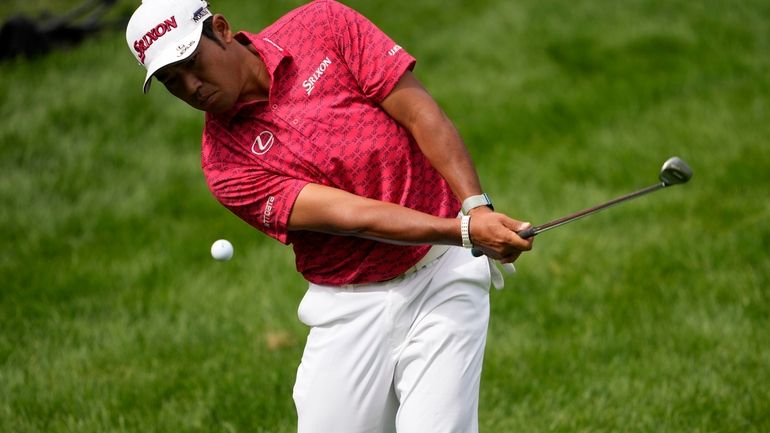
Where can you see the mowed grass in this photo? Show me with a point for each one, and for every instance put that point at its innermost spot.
(651, 317)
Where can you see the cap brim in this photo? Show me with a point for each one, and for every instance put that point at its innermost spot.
(184, 49)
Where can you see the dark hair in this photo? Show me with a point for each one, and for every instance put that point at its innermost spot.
(208, 31)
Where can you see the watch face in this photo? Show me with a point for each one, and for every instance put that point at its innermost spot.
(486, 198)
(489, 201)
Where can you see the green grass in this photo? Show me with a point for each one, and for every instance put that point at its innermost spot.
(651, 317)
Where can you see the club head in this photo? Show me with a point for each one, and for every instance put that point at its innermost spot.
(675, 171)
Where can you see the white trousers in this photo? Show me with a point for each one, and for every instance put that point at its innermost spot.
(400, 356)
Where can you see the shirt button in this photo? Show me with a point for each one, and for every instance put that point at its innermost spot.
(275, 107)
(295, 121)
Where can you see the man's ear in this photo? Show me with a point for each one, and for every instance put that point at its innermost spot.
(221, 28)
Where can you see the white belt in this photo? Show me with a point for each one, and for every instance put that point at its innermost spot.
(434, 252)
(437, 251)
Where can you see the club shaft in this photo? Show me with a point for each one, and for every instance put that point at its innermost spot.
(585, 212)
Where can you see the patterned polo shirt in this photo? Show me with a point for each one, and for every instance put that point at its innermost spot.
(330, 68)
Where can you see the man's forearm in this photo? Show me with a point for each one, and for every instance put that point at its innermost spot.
(330, 210)
(441, 143)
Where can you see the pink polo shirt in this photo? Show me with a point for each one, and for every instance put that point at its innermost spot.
(330, 69)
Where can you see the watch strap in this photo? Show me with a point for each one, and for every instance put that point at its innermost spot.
(465, 231)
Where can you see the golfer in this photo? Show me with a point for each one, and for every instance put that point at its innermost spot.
(318, 134)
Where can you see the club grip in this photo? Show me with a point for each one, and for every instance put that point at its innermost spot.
(524, 234)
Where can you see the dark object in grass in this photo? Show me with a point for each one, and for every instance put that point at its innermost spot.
(28, 37)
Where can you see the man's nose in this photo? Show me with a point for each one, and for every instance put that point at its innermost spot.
(191, 83)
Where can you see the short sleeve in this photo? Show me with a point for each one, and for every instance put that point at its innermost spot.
(263, 199)
(374, 59)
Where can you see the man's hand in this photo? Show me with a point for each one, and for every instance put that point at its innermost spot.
(495, 235)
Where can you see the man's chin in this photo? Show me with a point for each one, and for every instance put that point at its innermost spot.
(214, 104)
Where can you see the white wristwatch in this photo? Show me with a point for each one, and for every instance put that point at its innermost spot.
(475, 201)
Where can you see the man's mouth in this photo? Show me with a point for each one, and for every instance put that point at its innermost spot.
(204, 99)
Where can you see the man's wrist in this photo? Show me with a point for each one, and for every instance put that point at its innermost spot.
(475, 201)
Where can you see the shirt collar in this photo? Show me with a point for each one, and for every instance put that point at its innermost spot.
(271, 54)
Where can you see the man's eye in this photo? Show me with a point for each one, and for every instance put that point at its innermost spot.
(168, 81)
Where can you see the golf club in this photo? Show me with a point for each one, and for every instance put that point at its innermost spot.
(674, 172)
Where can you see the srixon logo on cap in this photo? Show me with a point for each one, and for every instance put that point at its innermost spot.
(142, 45)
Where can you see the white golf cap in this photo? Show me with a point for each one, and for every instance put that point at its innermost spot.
(162, 32)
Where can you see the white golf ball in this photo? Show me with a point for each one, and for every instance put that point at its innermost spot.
(222, 250)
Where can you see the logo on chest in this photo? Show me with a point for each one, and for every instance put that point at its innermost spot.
(310, 83)
(262, 143)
